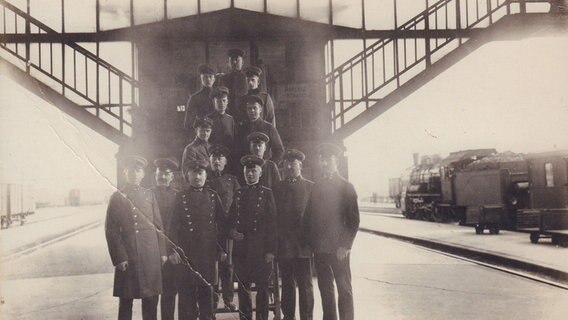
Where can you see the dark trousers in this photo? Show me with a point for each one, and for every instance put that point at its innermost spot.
(194, 302)
(168, 296)
(245, 302)
(226, 276)
(149, 308)
(329, 268)
(297, 272)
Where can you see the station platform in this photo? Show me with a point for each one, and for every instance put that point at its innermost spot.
(508, 249)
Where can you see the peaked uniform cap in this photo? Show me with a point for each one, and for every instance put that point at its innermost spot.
(235, 53)
(330, 149)
(253, 71)
(253, 98)
(294, 154)
(219, 91)
(206, 68)
(133, 161)
(251, 161)
(170, 163)
(196, 164)
(258, 137)
(203, 123)
(219, 150)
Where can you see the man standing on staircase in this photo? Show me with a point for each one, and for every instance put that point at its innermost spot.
(235, 80)
(200, 104)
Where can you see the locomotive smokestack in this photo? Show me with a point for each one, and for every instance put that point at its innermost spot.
(415, 158)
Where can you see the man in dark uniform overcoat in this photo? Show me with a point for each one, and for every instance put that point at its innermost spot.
(226, 186)
(294, 258)
(136, 243)
(235, 80)
(252, 224)
(166, 196)
(200, 104)
(197, 229)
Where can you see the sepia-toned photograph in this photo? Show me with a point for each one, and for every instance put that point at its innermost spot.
(283, 159)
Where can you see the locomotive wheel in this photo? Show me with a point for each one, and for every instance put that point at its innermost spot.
(534, 237)
(555, 240)
(478, 230)
(438, 215)
(494, 230)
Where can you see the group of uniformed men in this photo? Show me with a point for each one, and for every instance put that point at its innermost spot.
(167, 242)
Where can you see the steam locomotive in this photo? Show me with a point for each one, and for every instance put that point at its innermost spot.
(490, 190)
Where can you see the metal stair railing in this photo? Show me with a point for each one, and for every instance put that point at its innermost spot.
(385, 65)
(79, 75)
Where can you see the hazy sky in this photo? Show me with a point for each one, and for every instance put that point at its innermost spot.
(510, 95)
(45, 147)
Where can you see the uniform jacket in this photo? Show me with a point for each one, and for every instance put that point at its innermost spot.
(196, 227)
(133, 230)
(253, 214)
(226, 185)
(331, 219)
(223, 130)
(291, 197)
(268, 113)
(196, 150)
(270, 174)
(198, 106)
(274, 148)
(236, 82)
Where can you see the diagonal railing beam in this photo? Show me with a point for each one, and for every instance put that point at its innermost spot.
(55, 98)
(433, 23)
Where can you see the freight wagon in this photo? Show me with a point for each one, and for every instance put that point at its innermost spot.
(16, 202)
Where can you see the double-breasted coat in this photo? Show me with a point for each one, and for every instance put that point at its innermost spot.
(196, 227)
(253, 214)
(291, 197)
(133, 230)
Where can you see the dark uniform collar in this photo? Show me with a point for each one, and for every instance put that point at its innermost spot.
(194, 189)
(253, 186)
(254, 91)
(217, 173)
(206, 89)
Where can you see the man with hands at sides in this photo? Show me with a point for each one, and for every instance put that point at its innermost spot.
(252, 224)
(136, 243)
(331, 221)
(196, 229)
